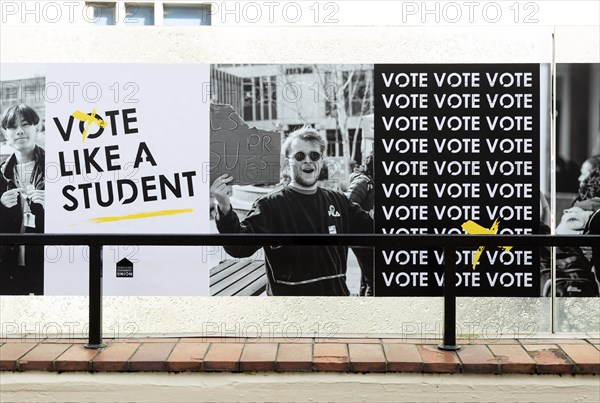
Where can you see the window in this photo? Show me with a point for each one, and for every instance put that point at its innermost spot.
(260, 98)
(358, 86)
(299, 70)
(104, 13)
(148, 13)
(249, 97)
(335, 146)
(357, 93)
(189, 15)
(139, 14)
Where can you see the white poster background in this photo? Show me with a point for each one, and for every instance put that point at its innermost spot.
(172, 117)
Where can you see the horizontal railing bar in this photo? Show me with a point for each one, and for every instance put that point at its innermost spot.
(382, 240)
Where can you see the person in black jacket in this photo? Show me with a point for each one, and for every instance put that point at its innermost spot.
(362, 192)
(300, 207)
(576, 265)
(22, 200)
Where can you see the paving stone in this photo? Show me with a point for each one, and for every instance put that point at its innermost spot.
(294, 357)
(236, 340)
(41, 357)
(147, 340)
(513, 359)
(366, 358)
(467, 342)
(585, 356)
(348, 341)
(187, 357)
(531, 341)
(410, 341)
(330, 357)
(435, 360)
(403, 357)
(549, 359)
(76, 358)
(67, 341)
(114, 357)
(478, 359)
(223, 357)
(11, 352)
(150, 357)
(288, 340)
(259, 357)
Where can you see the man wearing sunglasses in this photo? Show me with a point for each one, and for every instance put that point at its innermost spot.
(301, 207)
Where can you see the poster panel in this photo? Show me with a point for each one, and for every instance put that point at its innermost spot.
(392, 149)
(455, 149)
(458, 152)
(125, 153)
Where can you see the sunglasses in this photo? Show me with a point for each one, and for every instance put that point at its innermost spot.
(301, 156)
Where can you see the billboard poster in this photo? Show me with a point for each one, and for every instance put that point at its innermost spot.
(458, 152)
(123, 154)
(274, 148)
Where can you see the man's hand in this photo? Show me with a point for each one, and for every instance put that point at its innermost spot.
(10, 198)
(221, 191)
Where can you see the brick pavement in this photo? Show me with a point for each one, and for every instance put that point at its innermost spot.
(506, 356)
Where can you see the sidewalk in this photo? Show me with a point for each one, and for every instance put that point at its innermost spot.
(504, 356)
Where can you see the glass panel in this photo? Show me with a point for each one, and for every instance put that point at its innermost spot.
(578, 315)
(104, 13)
(139, 14)
(491, 319)
(577, 269)
(186, 15)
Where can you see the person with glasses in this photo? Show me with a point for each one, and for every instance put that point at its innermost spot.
(301, 207)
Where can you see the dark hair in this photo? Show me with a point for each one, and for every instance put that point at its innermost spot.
(305, 133)
(591, 185)
(24, 111)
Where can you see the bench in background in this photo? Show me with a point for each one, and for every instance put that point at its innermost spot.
(242, 278)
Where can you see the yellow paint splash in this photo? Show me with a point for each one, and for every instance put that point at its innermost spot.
(89, 120)
(471, 227)
(149, 214)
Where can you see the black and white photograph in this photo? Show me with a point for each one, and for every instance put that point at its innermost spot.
(577, 181)
(22, 178)
(292, 152)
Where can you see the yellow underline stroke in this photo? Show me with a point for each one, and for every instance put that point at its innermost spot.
(149, 214)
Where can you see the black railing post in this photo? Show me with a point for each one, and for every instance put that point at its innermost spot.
(449, 342)
(95, 313)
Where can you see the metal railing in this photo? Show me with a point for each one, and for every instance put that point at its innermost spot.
(449, 242)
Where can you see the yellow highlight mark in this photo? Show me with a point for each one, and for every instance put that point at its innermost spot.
(149, 214)
(471, 227)
(89, 120)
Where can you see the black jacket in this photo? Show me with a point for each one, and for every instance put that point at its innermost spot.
(12, 218)
(301, 270)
